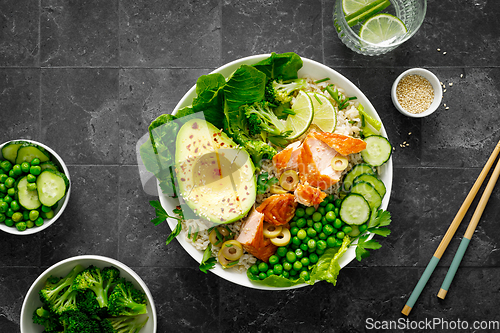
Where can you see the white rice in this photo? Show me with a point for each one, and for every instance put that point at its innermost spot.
(348, 122)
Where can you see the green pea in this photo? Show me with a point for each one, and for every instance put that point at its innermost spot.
(35, 161)
(9, 182)
(7, 199)
(299, 253)
(320, 252)
(340, 234)
(296, 240)
(301, 223)
(293, 231)
(330, 216)
(281, 251)
(25, 167)
(15, 205)
(11, 192)
(346, 229)
(30, 224)
(331, 241)
(324, 220)
(6, 166)
(295, 218)
(26, 215)
(305, 261)
(297, 265)
(321, 245)
(313, 258)
(336, 210)
(291, 256)
(31, 178)
(329, 207)
(323, 203)
(21, 226)
(39, 222)
(12, 174)
(273, 260)
(3, 206)
(311, 232)
(46, 209)
(17, 216)
(262, 275)
(303, 247)
(328, 229)
(254, 270)
(9, 212)
(317, 217)
(287, 266)
(339, 242)
(278, 269)
(31, 186)
(309, 222)
(322, 210)
(35, 170)
(8, 222)
(305, 275)
(301, 234)
(322, 235)
(311, 244)
(269, 272)
(318, 227)
(310, 210)
(337, 224)
(2, 217)
(17, 169)
(3, 178)
(362, 228)
(293, 272)
(3, 189)
(293, 224)
(263, 267)
(300, 212)
(330, 198)
(285, 274)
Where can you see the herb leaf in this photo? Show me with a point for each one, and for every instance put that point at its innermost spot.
(379, 219)
(263, 183)
(207, 262)
(162, 215)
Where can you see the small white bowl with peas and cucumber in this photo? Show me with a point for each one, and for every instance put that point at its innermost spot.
(34, 186)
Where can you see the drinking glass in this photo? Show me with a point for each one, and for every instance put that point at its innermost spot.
(411, 12)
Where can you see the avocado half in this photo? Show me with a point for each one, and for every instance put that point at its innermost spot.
(215, 177)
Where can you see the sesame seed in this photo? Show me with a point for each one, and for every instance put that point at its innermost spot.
(461, 75)
(444, 53)
(439, 50)
(450, 84)
(414, 93)
(444, 90)
(446, 108)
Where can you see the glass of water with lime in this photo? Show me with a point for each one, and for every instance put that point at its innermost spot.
(374, 27)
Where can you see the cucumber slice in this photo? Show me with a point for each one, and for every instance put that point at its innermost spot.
(356, 171)
(378, 150)
(29, 151)
(374, 181)
(354, 209)
(28, 199)
(9, 151)
(48, 165)
(51, 186)
(369, 193)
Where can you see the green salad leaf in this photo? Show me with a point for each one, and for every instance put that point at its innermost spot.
(245, 86)
(209, 98)
(328, 267)
(284, 66)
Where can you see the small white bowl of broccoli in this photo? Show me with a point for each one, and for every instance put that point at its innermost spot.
(34, 186)
(88, 294)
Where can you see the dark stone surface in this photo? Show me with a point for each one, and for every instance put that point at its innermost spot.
(87, 78)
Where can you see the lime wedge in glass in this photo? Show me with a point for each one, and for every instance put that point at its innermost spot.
(382, 28)
(363, 12)
(325, 116)
(299, 122)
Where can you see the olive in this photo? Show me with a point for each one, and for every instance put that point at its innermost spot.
(340, 163)
(289, 180)
(276, 189)
(283, 238)
(232, 250)
(271, 231)
(216, 233)
(223, 261)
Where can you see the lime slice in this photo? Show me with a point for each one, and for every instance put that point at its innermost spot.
(366, 12)
(381, 28)
(299, 122)
(352, 6)
(325, 116)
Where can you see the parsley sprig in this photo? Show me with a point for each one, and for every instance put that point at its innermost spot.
(379, 220)
(207, 262)
(162, 215)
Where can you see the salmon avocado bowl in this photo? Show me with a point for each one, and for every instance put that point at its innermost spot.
(274, 172)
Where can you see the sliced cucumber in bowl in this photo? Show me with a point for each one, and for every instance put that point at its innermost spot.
(51, 186)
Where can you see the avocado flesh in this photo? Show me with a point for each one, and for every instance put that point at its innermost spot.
(215, 177)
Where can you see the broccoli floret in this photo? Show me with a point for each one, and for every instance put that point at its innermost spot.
(49, 320)
(79, 322)
(91, 278)
(280, 92)
(87, 302)
(125, 300)
(61, 297)
(110, 276)
(262, 118)
(123, 324)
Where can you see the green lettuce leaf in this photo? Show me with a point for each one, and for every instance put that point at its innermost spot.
(210, 98)
(328, 268)
(285, 66)
(245, 86)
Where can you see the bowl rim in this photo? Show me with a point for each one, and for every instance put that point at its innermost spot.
(436, 86)
(61, 207)
(109, 260)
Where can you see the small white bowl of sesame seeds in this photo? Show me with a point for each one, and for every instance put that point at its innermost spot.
(416, 93)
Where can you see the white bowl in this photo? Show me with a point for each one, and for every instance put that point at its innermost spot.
(61, 269)
(312, 69)
(433, 80)
(61, 205)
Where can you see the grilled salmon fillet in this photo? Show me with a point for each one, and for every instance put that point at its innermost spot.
(308, 195)
(252, 237)
(278, 209)
(287, 159)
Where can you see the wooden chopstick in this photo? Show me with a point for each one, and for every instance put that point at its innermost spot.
(449, 233)
(469, 232)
